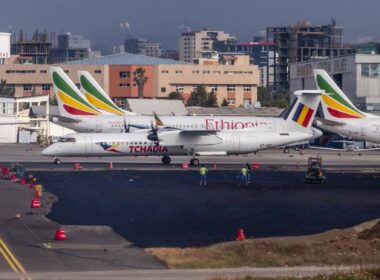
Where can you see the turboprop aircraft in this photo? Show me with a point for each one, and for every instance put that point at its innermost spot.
(164, 140)
(340, 116)
(97, 96)
(79, 115)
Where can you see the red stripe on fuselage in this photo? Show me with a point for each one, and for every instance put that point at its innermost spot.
(75, 111)
(339, 114)
(307, 117)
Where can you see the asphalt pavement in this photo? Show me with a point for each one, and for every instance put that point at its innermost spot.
(170, 208)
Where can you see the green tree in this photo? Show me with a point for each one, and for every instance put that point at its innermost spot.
(200, 97)
(224, 102)
(264, 96)
(283, 99)
(140, 80)
(5, 90)
(175, 95)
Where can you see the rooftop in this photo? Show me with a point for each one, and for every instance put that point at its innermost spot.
(126, 59)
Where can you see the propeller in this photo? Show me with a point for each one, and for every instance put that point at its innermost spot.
(152, 136)
(126, 126)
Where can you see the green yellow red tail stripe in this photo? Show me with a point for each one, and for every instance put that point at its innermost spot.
(336, 104)
(96, 98)
(73, 103)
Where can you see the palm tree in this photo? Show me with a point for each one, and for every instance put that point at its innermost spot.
(140, 80)
(5, 90)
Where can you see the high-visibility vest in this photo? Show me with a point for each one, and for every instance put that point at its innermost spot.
(244, 171)
(203, 170)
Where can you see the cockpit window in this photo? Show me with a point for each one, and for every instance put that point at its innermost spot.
(66, 139)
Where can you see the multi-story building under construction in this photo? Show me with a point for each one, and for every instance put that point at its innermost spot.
(299, 43)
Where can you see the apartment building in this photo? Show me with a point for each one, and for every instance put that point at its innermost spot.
(193, 44)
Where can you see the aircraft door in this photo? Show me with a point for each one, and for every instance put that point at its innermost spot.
(98, 126)
(88, 144)
(362, 131)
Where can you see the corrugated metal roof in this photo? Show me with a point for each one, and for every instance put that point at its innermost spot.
(159, 106)
(126, 59)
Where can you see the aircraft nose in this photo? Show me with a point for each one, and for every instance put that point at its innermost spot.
(49, 151)
(316, 133)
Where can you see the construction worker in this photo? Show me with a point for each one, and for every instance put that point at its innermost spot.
(203, 172)
(249, 169)
(244, 175)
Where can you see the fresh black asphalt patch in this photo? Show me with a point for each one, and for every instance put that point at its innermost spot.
(169, 208)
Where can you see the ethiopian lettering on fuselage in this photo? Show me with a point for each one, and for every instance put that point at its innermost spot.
(148, 149)
(222, 124)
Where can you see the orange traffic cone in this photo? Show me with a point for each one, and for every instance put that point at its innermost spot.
(110, 165)
(60, 235)
(77, 166)
(36, 203)
(240, 235)
(22, 182)
(185, 165)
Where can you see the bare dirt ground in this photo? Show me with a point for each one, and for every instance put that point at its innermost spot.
(359, 245)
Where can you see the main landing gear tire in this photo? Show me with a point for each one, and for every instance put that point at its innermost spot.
(194, 162)
(57, 160)
(166, 160)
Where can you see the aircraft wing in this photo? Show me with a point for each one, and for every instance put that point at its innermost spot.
(64, 119)
(188, 137)
(198, 132)
(344, 150)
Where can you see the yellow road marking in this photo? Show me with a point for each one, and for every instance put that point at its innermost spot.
(19, 266)
(8, 260)
(11, 260)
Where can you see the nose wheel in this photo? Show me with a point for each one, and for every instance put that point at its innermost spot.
(166, 160)
(56, 160)
(194, 162)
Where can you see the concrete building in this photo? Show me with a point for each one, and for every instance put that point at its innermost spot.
(70, 47)
(193, 43)
(299, 43)
(259, 52)
(19, 126)
(37, 48)
(237, 81)
(143, 46)
(358, 75)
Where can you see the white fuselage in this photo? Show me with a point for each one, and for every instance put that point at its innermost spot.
(367, 129)
(137, 144)
(115, 124)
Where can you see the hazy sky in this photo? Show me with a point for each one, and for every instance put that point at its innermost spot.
(163, 20)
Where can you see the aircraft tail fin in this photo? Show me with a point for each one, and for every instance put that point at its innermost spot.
(71, 102)
(302, 111)
(335, 104)
(97, 96)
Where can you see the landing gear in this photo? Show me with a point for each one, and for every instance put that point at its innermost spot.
(56, 160)
(166, 160)
(194, 162)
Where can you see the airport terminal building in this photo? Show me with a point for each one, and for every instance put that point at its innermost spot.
(358, 75)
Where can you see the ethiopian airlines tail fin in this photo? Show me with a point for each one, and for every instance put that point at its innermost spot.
(97, 96)
(301, 113)
(336, 106)
(71, 102)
